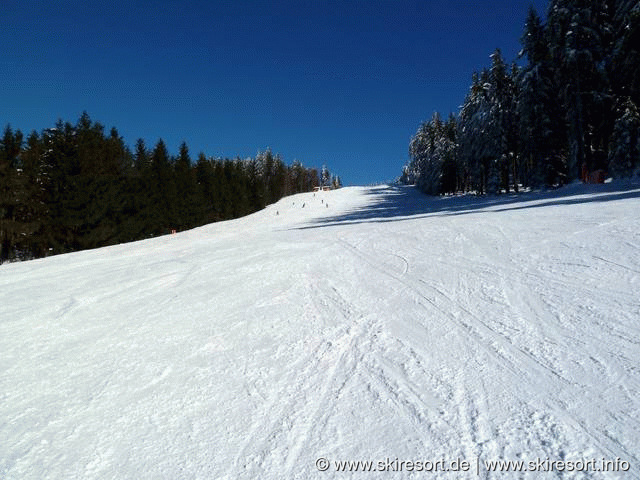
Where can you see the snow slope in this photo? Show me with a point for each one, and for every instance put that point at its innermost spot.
(386, 325)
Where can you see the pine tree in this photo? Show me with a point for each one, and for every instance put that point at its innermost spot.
(577, 35)
(117, 157)
(141, 158)
(418, 152)
(185, 185)
(542, 130)
(471, 133)
(625, 56)
(431, 161)
(336, 182)
(297, 175)
(266, 165)
(499, 126)
(280, 183)
(433, 165)
(74, 187)
(12, 190)
(90, 146)
(325, 177)
(205, 190)
(63, 196)
(451, 180)
(34, 208)
(624, 152)
(163, 190)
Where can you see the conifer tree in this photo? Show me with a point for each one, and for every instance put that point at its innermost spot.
(35, 208)
(185, 186)
(471, 133)
(625, 56)
(141, 157)
(541, 126)
(325, 176)
(624, 151)
(163, 190)
(12, 191)
(73, 187)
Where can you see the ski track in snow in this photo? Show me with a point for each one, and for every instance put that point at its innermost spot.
(389, 325)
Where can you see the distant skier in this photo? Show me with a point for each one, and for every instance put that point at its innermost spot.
(303, 205)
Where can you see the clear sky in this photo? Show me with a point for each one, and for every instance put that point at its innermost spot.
(343, 83)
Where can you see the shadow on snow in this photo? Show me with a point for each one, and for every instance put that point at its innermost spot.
(396, 203)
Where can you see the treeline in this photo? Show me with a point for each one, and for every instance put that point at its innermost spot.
(572, 110)
(74, 187)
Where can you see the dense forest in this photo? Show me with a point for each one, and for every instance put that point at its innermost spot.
(569, 112)
(74, 187)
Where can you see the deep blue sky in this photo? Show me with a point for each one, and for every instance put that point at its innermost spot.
(344, 83)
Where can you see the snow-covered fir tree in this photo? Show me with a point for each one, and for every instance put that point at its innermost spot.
(325, 176)
(571, 109)
(624, 151)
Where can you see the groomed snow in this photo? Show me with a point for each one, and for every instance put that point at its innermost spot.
(386, 325)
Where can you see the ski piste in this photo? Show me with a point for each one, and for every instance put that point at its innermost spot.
(388, 327)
